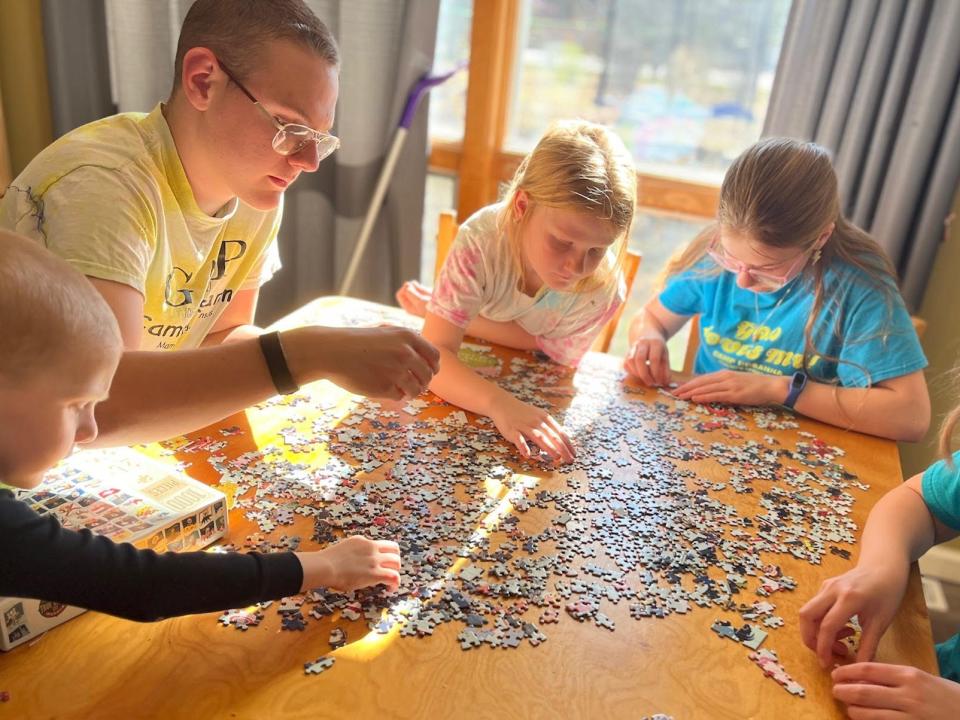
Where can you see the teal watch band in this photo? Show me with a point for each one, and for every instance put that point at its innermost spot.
(797, 383)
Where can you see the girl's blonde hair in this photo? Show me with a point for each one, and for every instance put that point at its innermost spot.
(782, 192)
(582, 166)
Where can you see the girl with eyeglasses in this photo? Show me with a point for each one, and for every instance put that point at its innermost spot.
(798, 307)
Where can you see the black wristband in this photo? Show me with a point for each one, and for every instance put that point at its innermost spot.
(272, 350)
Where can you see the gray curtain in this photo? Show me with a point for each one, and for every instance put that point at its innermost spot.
(878, 83)
(78, 65)
(386, 45)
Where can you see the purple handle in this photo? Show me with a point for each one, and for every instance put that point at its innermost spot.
(422, 87)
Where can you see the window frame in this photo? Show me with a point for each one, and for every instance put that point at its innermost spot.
(480, 161)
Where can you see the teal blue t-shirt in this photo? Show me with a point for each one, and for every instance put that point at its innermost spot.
(869, 331)
(941, 493)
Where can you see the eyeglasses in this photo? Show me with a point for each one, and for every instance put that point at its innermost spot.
(768, 279)
(291, 138)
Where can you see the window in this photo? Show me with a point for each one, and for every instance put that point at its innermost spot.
(448, 102)
(685, 83)
(657, 236)
(440, 196)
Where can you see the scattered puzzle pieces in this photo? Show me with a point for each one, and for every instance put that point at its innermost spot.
(628, 524)
(338, 638)
(768, 661)
(242, 619)
(319, 665)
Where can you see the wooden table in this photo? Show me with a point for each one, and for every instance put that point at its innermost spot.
(101, 667)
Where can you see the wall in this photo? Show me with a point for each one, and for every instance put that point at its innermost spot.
(23, 81)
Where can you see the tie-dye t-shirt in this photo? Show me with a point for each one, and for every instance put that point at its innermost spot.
(479, 278)
(112, 199)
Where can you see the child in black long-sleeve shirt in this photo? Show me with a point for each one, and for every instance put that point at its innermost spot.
(59, 349)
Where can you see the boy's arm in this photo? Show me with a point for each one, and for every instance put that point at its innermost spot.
(157, 395)
(127, 305)
(39, 559)
(236, 322)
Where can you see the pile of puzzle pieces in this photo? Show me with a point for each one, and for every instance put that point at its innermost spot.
(629, 521)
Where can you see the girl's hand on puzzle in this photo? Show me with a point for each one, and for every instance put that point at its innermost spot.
(521, 423)
(649, 360)
(873, 595)
(351, 564)
(878, 690)
(413, 297)
(735, 388)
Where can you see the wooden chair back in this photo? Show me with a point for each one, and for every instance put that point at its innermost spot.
(446, 233)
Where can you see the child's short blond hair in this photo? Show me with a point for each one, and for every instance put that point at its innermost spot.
(237, 31)
(49, 312)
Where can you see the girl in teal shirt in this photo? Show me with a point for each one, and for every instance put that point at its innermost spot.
(797, 306)
(902, 526)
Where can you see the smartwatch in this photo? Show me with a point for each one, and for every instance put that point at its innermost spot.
(797, 383)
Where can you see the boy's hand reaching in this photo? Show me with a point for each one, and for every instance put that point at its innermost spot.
(351, 564)
(877, 690)
(413, 297)
(521, 423)
(873, 595)
(382, 362)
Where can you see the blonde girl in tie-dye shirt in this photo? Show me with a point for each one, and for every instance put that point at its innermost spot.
(539, 270)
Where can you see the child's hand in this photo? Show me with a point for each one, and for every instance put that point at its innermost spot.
(383, 362)
(873, 595)
(877, 690)
(413, 297)
(519, 423)
(735, 388)
(649, 360)
(351, 564)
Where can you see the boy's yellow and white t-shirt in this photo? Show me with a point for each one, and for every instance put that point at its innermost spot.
(113, 200)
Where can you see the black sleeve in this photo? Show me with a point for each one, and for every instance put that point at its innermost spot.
(40, 559)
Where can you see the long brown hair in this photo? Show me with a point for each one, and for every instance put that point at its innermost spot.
(782, 193)
(583, 166)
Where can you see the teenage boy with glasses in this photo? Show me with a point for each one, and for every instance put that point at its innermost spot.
(173, 216)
